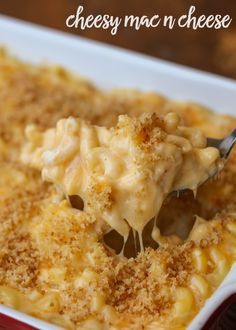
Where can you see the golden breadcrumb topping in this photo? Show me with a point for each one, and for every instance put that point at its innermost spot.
(53, 262)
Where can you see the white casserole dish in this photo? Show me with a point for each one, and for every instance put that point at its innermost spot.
(110, 67)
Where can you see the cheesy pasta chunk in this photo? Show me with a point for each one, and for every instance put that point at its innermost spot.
(123, 173)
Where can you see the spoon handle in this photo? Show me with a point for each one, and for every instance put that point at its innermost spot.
(225, 145)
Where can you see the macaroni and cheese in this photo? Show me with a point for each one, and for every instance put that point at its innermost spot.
(54, 264)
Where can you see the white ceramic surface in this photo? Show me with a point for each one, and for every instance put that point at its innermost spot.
(110, 67)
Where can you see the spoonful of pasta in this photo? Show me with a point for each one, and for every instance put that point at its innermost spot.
(122, 175)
